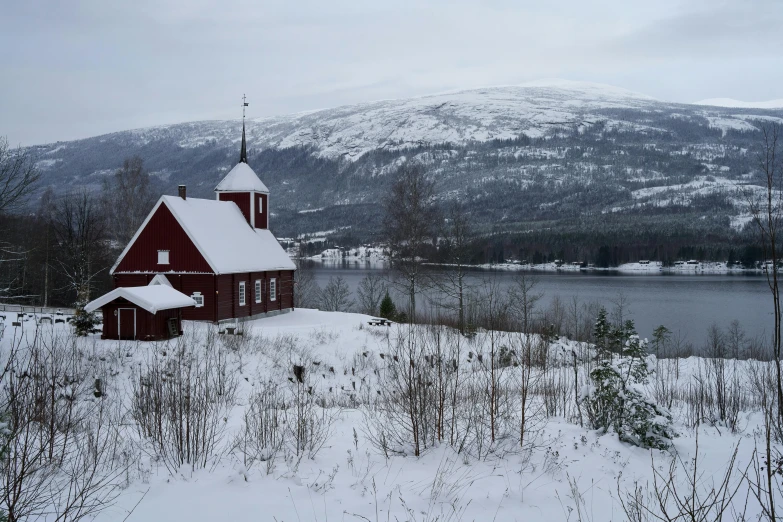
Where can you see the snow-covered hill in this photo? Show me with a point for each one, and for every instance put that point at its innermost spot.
(533, 110)
(542, 151)
(728, 102)
(275, 449)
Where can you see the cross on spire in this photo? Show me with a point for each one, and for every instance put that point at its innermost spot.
(243, 150)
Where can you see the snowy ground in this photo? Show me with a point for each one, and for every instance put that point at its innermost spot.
(566, 473)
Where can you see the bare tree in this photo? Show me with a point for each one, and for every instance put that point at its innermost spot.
(371, 291)
(80, 231)
(307, 290)
(766, 208)
(452, 282)
(13, 261)
(522, 300)
(18, 176)
(685, 492)
(409, 228)
(336, 296)
(494, 315)
(127, 199)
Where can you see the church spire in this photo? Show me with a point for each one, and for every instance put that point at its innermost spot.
(243, 150)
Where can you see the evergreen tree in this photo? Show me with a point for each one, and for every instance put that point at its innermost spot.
(388, 310)
(661, 337)
(83, 321)
(601, 332)
(615, 398)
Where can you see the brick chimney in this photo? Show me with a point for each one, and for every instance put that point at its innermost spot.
(182, 191)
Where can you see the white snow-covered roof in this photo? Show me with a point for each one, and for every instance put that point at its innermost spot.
(152, 298)
(223, 236)
(160, 279)
(241, 178)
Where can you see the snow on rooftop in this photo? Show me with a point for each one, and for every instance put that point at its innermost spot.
(225, 239)
(241, 178)
(152, 298)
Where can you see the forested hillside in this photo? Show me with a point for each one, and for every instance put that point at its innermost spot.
(566, 170)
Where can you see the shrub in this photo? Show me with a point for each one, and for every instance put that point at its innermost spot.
(83, 321)
(614, 400)
(388, 309)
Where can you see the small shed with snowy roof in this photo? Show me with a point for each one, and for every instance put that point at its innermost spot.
(147, 313)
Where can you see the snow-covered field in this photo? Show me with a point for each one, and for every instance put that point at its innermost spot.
(561, 472)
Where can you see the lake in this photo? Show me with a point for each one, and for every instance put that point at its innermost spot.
(685, 303)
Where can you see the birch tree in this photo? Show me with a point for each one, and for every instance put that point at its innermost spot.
(409, 226)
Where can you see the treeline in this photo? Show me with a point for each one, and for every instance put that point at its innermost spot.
(60, 253)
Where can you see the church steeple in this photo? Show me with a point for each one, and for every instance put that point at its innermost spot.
(243, 150)
(242, 186)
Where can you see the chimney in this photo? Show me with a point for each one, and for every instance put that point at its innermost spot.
(183, 191)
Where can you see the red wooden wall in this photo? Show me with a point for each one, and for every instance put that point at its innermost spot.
(221, 292)
(148, 326)
(163, 232)
(262, 202)
(228, 290)
(242, 199)
(185, 283)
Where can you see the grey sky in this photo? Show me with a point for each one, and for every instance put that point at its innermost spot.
(82, 68)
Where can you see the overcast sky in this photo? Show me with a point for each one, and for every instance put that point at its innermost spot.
(78, 69)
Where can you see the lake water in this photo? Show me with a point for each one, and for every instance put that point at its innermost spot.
(685, 303)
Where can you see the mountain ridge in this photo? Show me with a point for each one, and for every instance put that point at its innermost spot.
(575, 158)
(739, 104)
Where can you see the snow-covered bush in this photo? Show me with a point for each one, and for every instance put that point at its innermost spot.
(614, 399)
(262, 436)
(84, 322)
(180, 402)
(62, 450)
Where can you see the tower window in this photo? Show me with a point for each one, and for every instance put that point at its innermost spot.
(241, 293)
(273, 289)
(163, 257)
(258, 290)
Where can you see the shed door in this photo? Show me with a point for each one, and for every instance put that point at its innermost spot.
(127, 323)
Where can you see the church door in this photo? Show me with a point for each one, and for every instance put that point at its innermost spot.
(127, 323)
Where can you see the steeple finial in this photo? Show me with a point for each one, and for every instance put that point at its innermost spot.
(243, 150)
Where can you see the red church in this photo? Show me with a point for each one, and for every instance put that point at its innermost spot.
(219, 253)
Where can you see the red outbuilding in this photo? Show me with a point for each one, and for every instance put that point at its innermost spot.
(220, 252)
(147, 313)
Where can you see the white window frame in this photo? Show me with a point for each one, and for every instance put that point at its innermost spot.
(273, 289)
(242, 294)
(258, 290)
(199, 298)
(163, 257)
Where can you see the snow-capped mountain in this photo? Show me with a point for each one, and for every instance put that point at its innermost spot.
(578, 155)
(738, 104)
